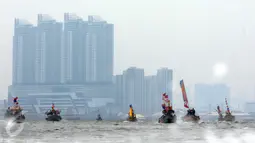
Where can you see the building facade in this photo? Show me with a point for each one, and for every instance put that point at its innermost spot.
(209, 96)
(48, 50)
(70, 65)
(165, 83)
(24, 44)
(36, 99)
(133, 89)
(118, 82)
(74, 61)
(250, 107)
(99, 50)
(151, 95)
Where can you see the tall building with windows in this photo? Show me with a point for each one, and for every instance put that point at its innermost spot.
(151, 95)
(73, 53)
(23, 52)
(48, 50)
(165, 84)
(71, 66)
(133, 89)
(99, 50)
(118, 82)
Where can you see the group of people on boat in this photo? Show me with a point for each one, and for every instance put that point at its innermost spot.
(53, 114)
(168, 114)
(53, 111)
(167, 109)
(228, 115)
(15, 109)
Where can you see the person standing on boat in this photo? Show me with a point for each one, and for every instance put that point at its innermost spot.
(188, 112)
(15, 100)
(192, 111)
(131, 111)
(53, 109)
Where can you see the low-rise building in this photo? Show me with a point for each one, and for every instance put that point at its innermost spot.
(83, 99)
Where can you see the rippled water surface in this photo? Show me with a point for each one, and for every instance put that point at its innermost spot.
(125, 132)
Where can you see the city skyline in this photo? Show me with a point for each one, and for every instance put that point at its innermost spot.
(71, 58)
(72, 52)
(143, 92)
(192, 39)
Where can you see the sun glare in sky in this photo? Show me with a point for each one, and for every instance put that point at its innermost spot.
(220, 70)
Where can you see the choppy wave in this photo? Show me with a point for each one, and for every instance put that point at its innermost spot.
(122, 132)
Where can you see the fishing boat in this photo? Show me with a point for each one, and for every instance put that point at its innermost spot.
(168, 113)
(15, 113)
(190, 116)
(228, 114)
(53, 114)
(99, 118)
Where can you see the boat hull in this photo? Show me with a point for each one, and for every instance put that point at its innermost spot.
(132, 119)
(53, 118)
(167, 119)
(191, 118)
(227, 118)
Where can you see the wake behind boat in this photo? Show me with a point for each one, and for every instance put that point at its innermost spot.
(168, 113)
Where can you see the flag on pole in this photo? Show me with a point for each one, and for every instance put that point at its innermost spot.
(184, 95)
(228, 110)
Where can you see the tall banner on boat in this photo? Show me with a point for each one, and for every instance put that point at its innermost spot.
(227, 105)
(184, 95)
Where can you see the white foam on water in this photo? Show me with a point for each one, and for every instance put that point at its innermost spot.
(248, 137)
(230, 137)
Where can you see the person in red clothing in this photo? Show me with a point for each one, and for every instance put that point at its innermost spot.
(15, 100)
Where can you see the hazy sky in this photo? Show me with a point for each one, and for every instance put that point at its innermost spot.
(190, 36)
